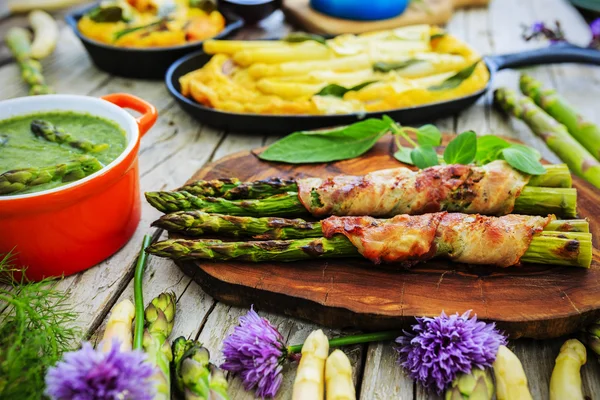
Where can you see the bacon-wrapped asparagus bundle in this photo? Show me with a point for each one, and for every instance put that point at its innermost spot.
(474, 239)
(198, 223)
(493, 189)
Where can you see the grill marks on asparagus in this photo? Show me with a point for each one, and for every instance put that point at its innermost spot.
(473, 239)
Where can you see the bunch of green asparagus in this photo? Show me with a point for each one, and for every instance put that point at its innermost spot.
(573, 138)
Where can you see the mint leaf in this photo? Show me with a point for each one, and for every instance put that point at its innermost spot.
(462, 149)
(523, 160)
(429, 134)
(455, 80)
(339, 91)
(424, 156)
(403, 155)
(325, 146)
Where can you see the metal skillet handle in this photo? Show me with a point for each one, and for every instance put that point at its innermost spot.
(554, 54)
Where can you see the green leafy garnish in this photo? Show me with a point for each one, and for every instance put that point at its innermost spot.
(330, 145)
(403, 155)
(523, 160)
(207, 6)
(299, 37)
(488, 148)
(424, 156)
(36, 327)
(339, 91)
(392, 66)
(429, 135)
(437, 35)
(119, 34)
(456, 79)
(110, 13)
(462, 149)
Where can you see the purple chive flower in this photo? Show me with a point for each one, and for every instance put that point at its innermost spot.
(256, 351)
(540, 30)
(88, 374)
(595, 28)
(439, 348)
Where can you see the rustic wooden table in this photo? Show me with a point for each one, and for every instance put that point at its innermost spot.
(179, 145)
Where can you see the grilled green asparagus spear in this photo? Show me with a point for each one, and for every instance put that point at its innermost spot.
(557, 175)
(160, 316)
(233, 188)
(569, 249)
(477, 385)
(51, 133)
(556, 135)
(18, 41)
(587, 133)
(21, 179)
(195, 377)
(532, 200)
(198, 223)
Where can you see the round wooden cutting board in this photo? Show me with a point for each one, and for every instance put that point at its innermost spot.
(528, 301)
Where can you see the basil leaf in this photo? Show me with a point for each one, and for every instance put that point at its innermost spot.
(387, 67)
(424, 156)
(523, 160)
(488, 148)
(429, 134)
(403, 155)
(324, 146)
(437, 35)
(388, 120)
(533, 152)
(339, 91)
(299, 37)
(455, 80)
(462, 149)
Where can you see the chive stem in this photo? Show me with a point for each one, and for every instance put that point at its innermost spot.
(140, 267)
(353, 339)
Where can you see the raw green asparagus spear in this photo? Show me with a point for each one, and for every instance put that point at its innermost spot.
(198, 223)
(557, 175)
(542, 250)
(586, 132)
(160, 316)
(556, 135)
(51, 133)
(477, 385)
(21, 179)
(233, 188)
(535, 201)
(18, 41)
(195, 378)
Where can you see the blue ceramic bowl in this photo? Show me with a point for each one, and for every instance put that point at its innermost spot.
(360, 10)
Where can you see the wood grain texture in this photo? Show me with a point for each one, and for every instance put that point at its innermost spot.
(530, 301)
(435, 12)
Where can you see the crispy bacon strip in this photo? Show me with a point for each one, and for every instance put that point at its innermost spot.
(490, 189)
(472, 239)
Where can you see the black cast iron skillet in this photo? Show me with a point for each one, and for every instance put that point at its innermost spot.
(141, 63)
(278, 124)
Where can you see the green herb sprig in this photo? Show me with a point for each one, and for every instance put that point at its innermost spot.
(299, 37)
(36, 327)
(339, 90)
(356, 139)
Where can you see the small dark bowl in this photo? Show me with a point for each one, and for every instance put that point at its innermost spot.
(141, 63)
(251, 11)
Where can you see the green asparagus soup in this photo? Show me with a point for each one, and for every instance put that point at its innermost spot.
(46, 150)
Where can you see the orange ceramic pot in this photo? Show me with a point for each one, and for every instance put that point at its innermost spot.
(74, 227)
